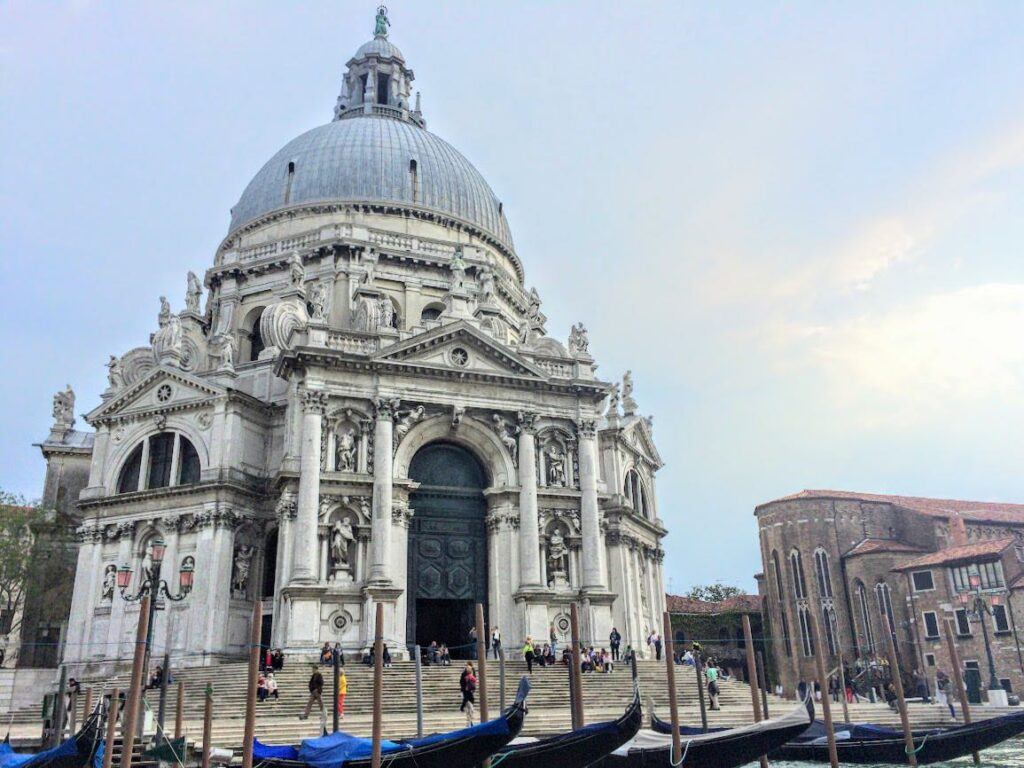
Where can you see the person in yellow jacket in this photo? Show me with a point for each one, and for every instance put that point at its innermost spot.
(342, 690)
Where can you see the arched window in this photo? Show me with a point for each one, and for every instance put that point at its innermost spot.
(777, 567)
(161, 460)
(431, 312)
(805, 631)
(796, 573)
(828, 615)
(821, 569)
(252, 342)
(635, 493)
(865, 615)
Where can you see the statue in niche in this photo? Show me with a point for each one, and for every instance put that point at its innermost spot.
(64, 406)
(114, 376)
(193, 293)
(458, 270)
(241, 570)
(109, 582)
(341, 537)
(227, 353)
(344, 451)
(296, 272)
(628, 403)
(557, 556)
(486, 277)
(506, 433)
(407, 422)
(578, 341)
(318, 301)
(386, 312)
(556, 466)
(165, 312)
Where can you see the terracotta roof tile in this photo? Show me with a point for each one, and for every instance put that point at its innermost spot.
(737, 604)
(969, 510)
(958, 554)
(873, 546)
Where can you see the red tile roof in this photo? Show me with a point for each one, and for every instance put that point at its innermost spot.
(958, 554)
(874, 546)
(737, 604)
(970, 510)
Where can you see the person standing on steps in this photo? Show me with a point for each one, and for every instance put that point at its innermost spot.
(496, 642)
(316, 695)
(342, 690)
(553, 638)
(614, 639)
(656, 641)
(528, 654)
(711, 673)
(467, 685)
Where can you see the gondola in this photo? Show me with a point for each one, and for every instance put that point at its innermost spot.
(727, 748)
(574, 749)
(465, 747)
(865, 743)
(77, 752)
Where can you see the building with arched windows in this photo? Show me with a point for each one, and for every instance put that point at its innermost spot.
(366, 408)
(870, 566)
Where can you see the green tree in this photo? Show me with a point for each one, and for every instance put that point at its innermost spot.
(21, 523)
(713, 593)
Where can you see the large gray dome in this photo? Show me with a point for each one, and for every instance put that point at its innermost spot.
(366, 159)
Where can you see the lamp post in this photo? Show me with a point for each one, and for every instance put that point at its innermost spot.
(156, 587)
(976, 605)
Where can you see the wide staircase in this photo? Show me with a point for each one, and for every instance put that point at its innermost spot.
(604, 697)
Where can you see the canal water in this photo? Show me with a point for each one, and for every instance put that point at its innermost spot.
(1009, 754)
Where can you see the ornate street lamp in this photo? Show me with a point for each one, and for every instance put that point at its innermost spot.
(977, 606)
(156, 588)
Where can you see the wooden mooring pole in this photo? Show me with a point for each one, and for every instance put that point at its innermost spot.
(179, 711)
(673, 699)
(135, 691)
(958, 680)
(748, 639)
(207, 724)
(419, 691)
(378, 684)
(112, 712)
(254, 673)
(897, 683)
(762, 676)
(576, 678)
(698, 667)
(826, 705)
(842, 689)
(481, 661)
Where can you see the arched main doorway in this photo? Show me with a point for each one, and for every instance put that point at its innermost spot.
(447, 546)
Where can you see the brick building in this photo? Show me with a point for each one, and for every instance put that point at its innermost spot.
(855, 558)
(718, 627)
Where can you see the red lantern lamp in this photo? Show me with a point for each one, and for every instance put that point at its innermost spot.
(124, 577)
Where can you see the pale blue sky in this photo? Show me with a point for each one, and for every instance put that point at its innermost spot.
(799, 224)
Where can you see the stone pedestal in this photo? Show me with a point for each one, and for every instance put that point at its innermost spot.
(997, 698)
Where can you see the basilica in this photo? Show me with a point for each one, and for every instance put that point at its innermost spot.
(360, 403)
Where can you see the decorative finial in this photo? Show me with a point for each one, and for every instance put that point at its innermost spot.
(381, 28)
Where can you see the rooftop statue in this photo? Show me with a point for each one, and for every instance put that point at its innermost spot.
(382, 21)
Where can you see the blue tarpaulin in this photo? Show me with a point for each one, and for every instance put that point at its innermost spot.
(264, 751)
(335, 749)
(11, 759)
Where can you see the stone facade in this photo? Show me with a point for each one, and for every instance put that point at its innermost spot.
(856, 558)
(366, 307)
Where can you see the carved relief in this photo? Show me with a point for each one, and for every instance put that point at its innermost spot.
(506, 432)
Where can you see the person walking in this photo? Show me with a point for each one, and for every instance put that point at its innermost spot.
(467, 685)
(656, 641)
(711, 673)
(496, 642)
(342, 690)
(316, 696)
(528, 654)
(614, 639)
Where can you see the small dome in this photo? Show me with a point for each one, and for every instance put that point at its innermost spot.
(374, 159)
(379, 46)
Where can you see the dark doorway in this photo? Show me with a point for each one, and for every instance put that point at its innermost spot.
(447, 547)
(266, 628)
(270, 565)
(972, 682)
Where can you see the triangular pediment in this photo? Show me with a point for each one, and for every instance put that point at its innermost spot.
(638, 435)
(461, 347)
(161, 388)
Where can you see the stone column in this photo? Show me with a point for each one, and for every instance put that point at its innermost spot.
(304, 548)
(380, 541)
(529, 537)
(590, 515)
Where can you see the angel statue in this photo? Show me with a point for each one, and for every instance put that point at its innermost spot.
(506, 433)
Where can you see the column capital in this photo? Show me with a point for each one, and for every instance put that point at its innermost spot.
(586, 428)
(386, 408)
(313, 401)
(527, 422)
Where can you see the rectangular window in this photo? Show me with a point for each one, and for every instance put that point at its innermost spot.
(963, 626)
(931, 625)
(999, 618)
(1006, 684)
(929, 659)
(923, 581)
(383, 88)
(961, 579)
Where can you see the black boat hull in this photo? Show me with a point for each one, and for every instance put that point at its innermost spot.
(934, 747)
(574, 749)
(725, 749)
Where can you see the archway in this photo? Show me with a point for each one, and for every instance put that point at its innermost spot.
(447, 546)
